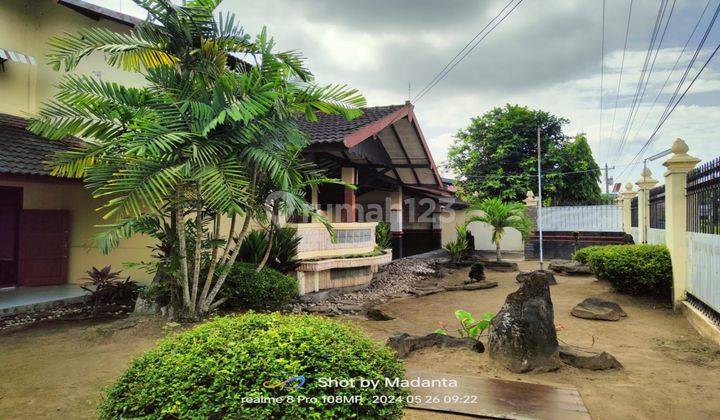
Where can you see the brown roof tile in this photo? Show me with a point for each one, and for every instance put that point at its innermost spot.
(334, 128)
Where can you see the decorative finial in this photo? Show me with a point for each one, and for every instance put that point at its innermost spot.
(530, 194)
(628, 186)
(679, 147)
(646, 172)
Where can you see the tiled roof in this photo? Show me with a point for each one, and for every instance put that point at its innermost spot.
(334, 128)
(22, 152)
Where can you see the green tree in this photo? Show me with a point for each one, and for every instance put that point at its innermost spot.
(207, 136)
(496, 156)
(500, 216)
(583, 186)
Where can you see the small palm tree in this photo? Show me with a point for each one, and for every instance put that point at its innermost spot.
(501, 215)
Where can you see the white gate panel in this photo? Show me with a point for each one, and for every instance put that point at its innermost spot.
(704, 267)
(656, 236)
(602, 218)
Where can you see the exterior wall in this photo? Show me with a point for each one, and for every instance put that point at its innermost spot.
(25, 27)
(511, 240)
(83, 255)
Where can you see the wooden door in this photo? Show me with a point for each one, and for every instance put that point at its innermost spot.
(43, 247)
(10, 205)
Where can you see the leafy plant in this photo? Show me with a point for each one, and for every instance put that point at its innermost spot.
(283, 251)
(582, 254)
(382, 235)
(500, 216)
(267, 288)
(206, 137)
(457, 248)
(108, 288)
(202, 372)
(469, 326)
(634, 269)
(477, 271)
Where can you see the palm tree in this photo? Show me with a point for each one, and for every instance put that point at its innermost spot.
(500, 215)
(211, 134)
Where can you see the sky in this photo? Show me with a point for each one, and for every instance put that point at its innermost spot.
(545, 55)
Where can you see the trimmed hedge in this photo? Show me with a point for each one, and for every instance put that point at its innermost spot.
(212, 370)
(269, 288)
(581, 255)
(634, 269)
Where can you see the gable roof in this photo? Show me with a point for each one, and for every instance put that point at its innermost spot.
(335, 128)
(96, 12)
(22, 152)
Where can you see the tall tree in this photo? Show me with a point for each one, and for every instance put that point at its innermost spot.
(496, 156)
(207, 136)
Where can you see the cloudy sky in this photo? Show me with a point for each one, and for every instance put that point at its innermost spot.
(546, 55)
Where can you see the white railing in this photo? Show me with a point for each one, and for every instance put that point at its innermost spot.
(350, 238)
(600, 218)
(635, 233)
(656, 236)
(703, 267)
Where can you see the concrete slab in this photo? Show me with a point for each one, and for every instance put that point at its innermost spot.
(30, 299)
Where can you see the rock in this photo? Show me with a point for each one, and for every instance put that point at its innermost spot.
(378, 315)
(146, 307)
(598, 308)
(477, 272)
(548, 275)
(522, 335)
(112, 327)
(404, 343)
(419, 292)
(502, 266)
(478, 285)
(319, 309)
(591, 360)
(350, 308)
(569, 267)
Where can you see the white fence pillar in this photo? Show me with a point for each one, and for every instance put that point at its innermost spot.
(676, 214)
(627, 197)
(645, 183)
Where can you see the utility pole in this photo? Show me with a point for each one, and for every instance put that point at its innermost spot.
(539, 212)
(608, 180)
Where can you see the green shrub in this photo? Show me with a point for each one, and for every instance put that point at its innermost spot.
(283, 254)
(582, 254)
(477, 271)
(207, 371)
(382, 235)
(634, 269)
(246, 288)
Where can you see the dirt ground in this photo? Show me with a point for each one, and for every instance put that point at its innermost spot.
(59, 370)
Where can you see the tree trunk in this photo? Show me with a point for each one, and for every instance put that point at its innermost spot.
(228, 245)
(268, 250)
(198, 258)
(182, 257)
(231, 261)
(497, 251)
(213, 265)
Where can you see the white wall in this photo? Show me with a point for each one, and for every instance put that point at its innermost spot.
(511, 240)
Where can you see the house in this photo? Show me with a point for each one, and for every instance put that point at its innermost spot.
(48, 223)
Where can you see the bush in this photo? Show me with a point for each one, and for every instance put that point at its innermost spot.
(634, 269)
(477, 271)
(207, 371)
(283, 254)
(382, 235)
(108, 288)
(244, 287)
(582, 254)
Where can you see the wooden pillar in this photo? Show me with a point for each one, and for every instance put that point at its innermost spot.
(396, 222)
(349, 176)
(676, 214)
(645, 183)
(314, 200)
(627, 197)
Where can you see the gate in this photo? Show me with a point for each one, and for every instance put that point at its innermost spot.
(590, 218)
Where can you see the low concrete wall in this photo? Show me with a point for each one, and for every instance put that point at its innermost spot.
(511, 241)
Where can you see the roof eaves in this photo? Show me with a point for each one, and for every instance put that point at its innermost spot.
(96, 12)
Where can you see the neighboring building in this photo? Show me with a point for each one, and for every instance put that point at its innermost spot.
(48, 223)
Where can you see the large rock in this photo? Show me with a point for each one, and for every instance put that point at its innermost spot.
(502, 266)
(522, 335)
(598, 308)
(591, 360)
(569, 267)
(478, 285)
(378, 315)
(404, 343)
(547, 275)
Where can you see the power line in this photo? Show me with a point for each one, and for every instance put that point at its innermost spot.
(622, 66)
(602, 75)
(422, 91)
(547, 174)
(419, 97)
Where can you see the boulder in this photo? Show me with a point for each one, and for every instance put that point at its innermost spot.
(404, 343)
(378, 315)
(478, 285)
(569, 267)
(547, 275)
(502, 266)
(591, 360)
(477, 272)
(598, 308)
(522, 335)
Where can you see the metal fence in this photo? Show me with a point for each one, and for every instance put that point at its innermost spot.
(703, 250)
(703, 198)
(657, 207)
(583, 218)
(634, 212)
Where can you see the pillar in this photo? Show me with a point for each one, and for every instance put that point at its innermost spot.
(314, 200)
(627, 197)
(645, 183)
(396, 221)
(676, 214)
(348, 176)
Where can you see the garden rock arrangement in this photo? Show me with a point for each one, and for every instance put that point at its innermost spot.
(522, 335)
(598, 308)
(590, 360)
(569, 268)
(404, 343)
(72, 312)
(547, 275)
(501, 266)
